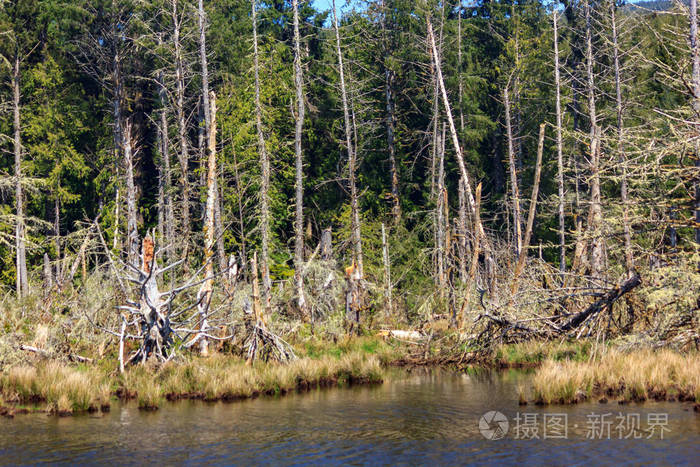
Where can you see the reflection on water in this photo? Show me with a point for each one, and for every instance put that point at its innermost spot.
(423, 417)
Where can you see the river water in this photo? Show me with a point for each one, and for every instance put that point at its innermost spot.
(418, 418)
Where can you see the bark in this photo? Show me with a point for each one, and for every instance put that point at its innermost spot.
(629, 259)
(205, 291)
(183, 155)
(299, 167)
(355, 228)
(560, 158)
(264, 170)
(595, 216)
(514, 191)
(22, 280)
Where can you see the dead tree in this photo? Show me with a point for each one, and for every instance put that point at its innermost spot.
(478, 226)
(205, 292)
(560, 158)
(132, 233)
(151, 317)
(595, 216)
(22, 278)
(299, 167)
(387, 274)
(514, 191)
(389, 76)
(264, 169)
(531, 213)
(355, 215)
(695, 52)
(183, 153)
(629, 259)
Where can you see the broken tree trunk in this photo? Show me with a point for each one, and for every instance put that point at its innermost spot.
(601, 304)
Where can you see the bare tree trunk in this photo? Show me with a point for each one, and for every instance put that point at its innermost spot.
(57, 224)
(22, 279)
(629, 259)
(390, 133)
(458, 150)
(595, 218)
(132, 233)
(460, 90)
(531, 213)
(299, 179)
(462, 232)
(515, 193)
(695, 51)
(165, 215)
(117, 203)
(356, 238)
(264, 170)
(440, 218)
(183, 155)
(387, 273)
(241, 221)
(205, 291)
(560, 158)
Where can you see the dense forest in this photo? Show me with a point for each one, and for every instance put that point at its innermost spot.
(512, 168)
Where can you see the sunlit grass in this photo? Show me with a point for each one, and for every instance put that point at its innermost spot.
(635, 376)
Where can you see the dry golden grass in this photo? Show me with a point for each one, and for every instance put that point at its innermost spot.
(62, 388)
(68, 389)
(634, 376)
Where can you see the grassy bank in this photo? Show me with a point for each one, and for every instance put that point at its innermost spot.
(634, 376)
(64, 389)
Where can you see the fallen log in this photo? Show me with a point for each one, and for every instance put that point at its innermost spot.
(47, 354)
(601, 304)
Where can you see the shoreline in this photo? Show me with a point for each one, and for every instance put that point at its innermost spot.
(563, 373)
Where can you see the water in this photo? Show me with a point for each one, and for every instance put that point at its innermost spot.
(417, 418)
